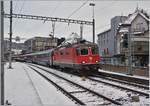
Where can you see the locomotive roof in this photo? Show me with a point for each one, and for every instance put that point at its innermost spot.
(83, 44)
(78, 44)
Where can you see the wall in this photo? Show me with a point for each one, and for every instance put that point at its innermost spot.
(139, 23)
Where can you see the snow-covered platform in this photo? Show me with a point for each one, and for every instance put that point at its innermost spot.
(23, 86)
(124, 75)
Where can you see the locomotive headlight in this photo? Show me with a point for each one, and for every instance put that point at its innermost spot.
(83, 62)
(96, 61)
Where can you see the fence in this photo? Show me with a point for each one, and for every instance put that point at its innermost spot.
(141, 71)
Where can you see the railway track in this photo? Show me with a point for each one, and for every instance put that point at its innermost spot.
(122, 81)
(132, 87)
(140, 92)
(78, 93)
(124, 78)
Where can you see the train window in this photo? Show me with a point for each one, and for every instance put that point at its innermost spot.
(78, 51)
(94, 50)
(84, 51)
(47, 55)
(61, 53)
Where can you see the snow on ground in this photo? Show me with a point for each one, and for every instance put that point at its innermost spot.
(108, 91)
(121, 74)
(121, 84)
(25, 87)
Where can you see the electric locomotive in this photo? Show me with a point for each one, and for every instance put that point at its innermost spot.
(79, 56)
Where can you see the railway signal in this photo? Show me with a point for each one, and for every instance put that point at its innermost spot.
(128, 45)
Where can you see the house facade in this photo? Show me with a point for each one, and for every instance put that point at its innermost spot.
(107, 40)
(111, 41)
(139, 32)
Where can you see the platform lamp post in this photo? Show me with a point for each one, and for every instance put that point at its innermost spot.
(92, 4)
(129, 48)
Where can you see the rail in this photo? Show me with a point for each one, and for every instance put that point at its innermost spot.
(73, 83)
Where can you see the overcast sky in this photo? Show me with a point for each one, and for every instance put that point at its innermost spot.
(104, 11)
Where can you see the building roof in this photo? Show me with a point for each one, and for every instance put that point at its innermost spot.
(131, 17)
(104, 32)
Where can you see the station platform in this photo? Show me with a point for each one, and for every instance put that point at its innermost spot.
(23, 86)
(124, 74)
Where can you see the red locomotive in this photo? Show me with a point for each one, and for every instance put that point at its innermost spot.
(82, 55)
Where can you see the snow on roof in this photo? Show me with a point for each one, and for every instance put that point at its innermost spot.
(106, 30)
(123, 30)
(144, 16)
(133, 16)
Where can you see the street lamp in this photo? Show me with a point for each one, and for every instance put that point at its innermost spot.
(92, 4)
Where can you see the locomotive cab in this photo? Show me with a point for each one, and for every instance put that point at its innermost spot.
(87, 57)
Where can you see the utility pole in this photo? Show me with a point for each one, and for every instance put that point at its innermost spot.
(53, 28)
(10, 39)
(129, 53)
(93, 30)
(92, 4)
(2, 53)
(81, 31)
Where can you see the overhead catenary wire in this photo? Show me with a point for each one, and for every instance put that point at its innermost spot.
(99, 27)
(106, 25)
(53, 23)
(15, 7)
(101, 9)
(75, 11)
(54, 10)
(78, 9)
(22, 6)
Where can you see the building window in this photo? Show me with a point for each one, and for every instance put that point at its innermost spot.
(139, 26)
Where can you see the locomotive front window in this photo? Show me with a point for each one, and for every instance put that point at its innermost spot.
(82, 51)
(78, 51)
(94, 50)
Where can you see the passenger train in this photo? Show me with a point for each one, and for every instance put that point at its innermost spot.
(79, 56)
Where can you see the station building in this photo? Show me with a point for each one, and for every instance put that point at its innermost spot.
(40, 43)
